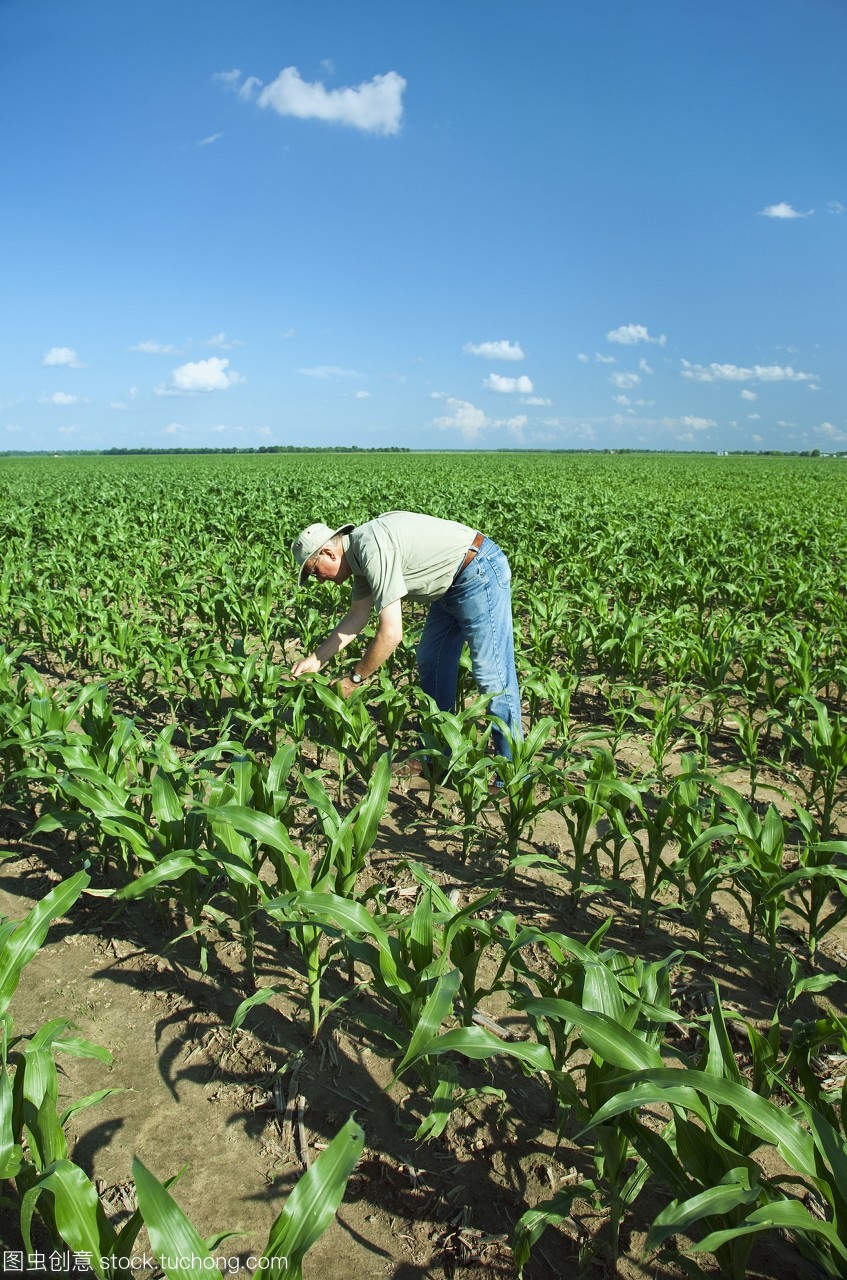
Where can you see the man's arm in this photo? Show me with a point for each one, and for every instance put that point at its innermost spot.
(341, 635)
(388, 636)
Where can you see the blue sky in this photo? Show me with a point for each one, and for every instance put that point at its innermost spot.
(448, 225)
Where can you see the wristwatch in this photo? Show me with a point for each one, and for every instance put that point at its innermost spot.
(355, 678)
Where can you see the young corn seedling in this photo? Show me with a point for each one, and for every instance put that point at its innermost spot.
(34, 1160)
(627, 1001)
(309, 1209)
(817, 886)
(821, 740)
(350, 839)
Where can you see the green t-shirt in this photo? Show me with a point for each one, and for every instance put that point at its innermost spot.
(404, 554)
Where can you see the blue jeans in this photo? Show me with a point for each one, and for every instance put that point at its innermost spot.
(477, 611)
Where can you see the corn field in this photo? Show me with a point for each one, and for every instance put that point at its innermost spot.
(591, 1025)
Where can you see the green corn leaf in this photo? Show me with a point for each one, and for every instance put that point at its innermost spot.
(312, 1204)
(421, 933)
(476, 1042)
(181, 1250)
(21, 945)
(260, 827)
(262, 996)
(713, 1202)
(549, 1213)
(329, 908)
(172, 867)
(431, 1016)
(605, 1037)
(79, 1217)
(781, 1215)
(370, 809)
(681, 1087)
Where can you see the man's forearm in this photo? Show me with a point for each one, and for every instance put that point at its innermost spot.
(346, 631)
(378, 651)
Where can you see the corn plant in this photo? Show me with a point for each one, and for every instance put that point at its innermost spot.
(610, 991)
(822, 743)
(309, 1209)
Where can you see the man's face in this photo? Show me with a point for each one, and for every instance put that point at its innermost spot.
(328, 566)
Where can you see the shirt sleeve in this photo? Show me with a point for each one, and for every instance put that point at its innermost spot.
(382, 569)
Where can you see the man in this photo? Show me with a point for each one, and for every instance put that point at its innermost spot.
(462, 575)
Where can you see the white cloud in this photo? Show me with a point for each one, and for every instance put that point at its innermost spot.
(66, 431)
(62, 356)
(329, 371)
(502, 350)
(629, 334)
(831, 433)
(375, 106)
(464, 417)
(738, 373)
(155, 348)
(229, 78)
(11, 426)
(757, 439)
(361, 395)
(623, 381)
(644, 366)
(60, 397)
(601, 359)
(622, 400)
(496, 382)
(207, 142)
(541, 401)
(582, 358)
(224, 343)
(784, 210)
(204, 375)
(754, 417)
(836, 207)
(749, 395)
(697, 424)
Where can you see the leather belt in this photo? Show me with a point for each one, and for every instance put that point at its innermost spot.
(469, 555)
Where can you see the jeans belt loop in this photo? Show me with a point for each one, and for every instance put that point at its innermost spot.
(469, 555)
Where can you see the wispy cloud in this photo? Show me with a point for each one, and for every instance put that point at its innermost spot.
(155, 348)
(783, 210)
(601, 359)
(830, 433)
(739, 373)
(496, 382)
(624, 381)
(375, 106)
(62, 357)
(207, 142)
(329, 371)
(60, 398)
(224, 343)
(541, 401)
(630, 334)
(836, 207)
(501, 350)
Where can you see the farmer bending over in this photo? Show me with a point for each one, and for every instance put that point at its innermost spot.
(461, 574)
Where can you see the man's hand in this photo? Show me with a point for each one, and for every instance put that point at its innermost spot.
(346, 686)
(306, 665)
